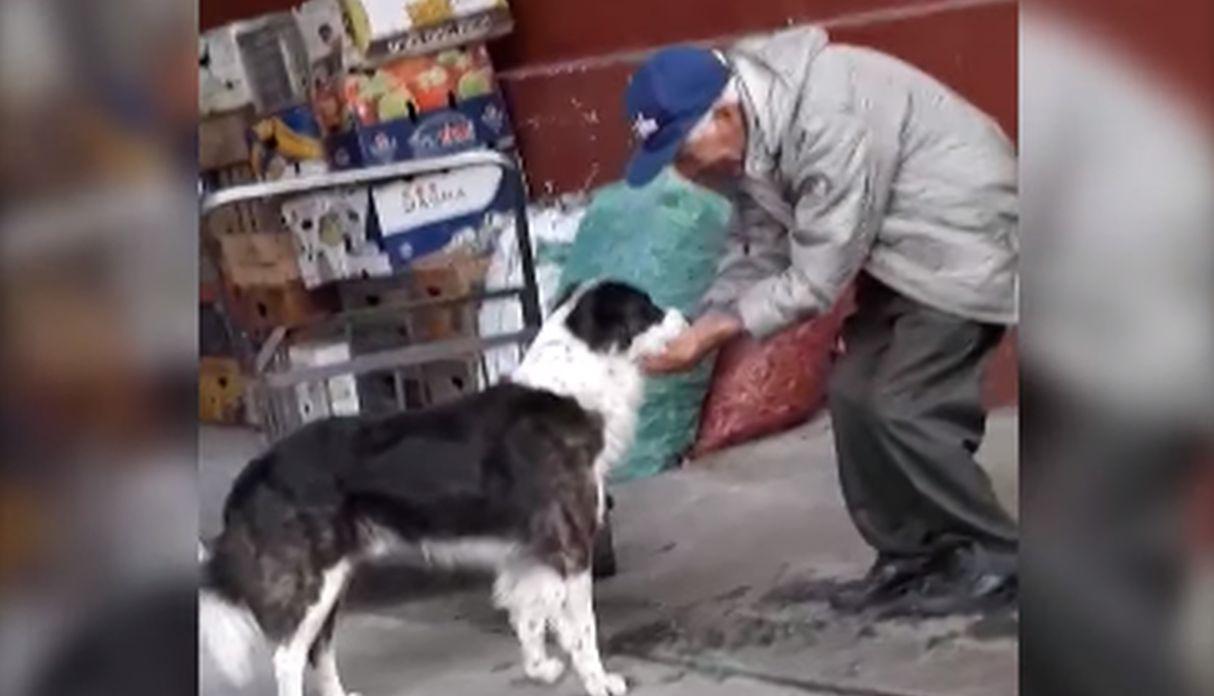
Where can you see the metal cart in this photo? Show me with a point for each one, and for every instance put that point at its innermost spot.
(276, 383)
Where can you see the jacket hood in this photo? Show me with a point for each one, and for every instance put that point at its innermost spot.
(772, 70)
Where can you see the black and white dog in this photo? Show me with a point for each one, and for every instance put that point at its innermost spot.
(510, 479)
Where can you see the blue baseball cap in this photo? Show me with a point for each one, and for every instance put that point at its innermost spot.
(665, 99)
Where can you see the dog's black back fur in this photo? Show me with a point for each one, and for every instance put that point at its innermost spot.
(511, 462)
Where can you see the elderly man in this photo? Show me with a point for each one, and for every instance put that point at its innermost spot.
(846, 165)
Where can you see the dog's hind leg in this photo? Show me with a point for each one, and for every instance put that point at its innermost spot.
(576, 630)
(533, 594)
(291, 656)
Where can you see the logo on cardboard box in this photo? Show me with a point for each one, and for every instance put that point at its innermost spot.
(383, 147)
(493, 117)
(443, 133)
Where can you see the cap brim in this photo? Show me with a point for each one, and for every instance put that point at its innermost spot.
(647, 163)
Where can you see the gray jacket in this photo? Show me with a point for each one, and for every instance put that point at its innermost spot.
(858, 160)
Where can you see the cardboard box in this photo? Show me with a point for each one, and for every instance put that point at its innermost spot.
(258, 259)
(275, 61)
(416, 107)
(261, 62)
(223, 140)
(322, 26)
(437, 213)
(221, 388)
(385, 28)
(330, 52)
(445, 380)
(214, 333)
(256, 215)
(448, 276)
(222, 83)
(387, 392)
(248, 217)
(475, 123)
(330, 231)
(260, 309)
(336, 396)
(406, 87)
(369, 293)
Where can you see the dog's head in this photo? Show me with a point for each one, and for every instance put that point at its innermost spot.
(616, 318)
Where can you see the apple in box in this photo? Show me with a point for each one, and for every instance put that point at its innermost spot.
(469, 70)
(418, 84)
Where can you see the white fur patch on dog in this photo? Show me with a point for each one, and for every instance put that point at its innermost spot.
(229, 636)
(486, 553)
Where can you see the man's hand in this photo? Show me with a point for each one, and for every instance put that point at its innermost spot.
(689, 347)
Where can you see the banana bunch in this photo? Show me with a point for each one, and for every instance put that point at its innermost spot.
(276, 136)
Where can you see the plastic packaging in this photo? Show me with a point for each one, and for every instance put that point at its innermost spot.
(760, 388)
(666, 238)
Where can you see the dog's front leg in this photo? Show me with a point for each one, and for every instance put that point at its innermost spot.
(289, 663)
(578, 635)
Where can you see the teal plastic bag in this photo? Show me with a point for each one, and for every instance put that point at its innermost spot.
(666, 238)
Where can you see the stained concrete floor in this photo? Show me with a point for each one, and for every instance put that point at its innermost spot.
(722, 569)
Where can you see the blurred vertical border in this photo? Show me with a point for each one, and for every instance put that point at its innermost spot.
(1117, 341)
(98, 346)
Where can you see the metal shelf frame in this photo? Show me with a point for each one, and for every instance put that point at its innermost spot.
(410, 355)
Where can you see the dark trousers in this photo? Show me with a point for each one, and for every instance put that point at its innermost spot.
(906, 409)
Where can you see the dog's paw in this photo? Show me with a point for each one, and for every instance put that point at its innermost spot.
(616, 684)
(608, 685)
(546, 671)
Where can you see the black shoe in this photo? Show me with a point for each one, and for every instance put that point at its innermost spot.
(972, 581)
(888, 579)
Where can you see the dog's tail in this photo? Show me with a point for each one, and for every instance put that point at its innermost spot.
(227, 631)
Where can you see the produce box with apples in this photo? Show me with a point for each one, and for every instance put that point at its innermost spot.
(420, 106)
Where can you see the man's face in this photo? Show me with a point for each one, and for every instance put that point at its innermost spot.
(713, 156)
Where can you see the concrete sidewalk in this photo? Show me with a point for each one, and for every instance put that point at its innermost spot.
(722, 569)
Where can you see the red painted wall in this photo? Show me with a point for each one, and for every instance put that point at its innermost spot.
(554, 30)
(565, 67)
